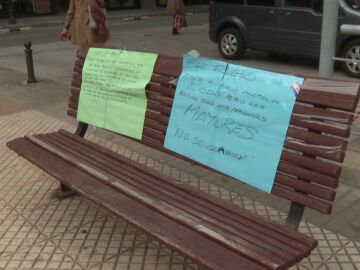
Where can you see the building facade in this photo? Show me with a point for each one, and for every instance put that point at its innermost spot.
(39, 7)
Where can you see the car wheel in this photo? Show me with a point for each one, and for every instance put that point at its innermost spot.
(231, 44)
(351, 52)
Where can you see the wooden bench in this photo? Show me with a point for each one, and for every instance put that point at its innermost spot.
(205, 229)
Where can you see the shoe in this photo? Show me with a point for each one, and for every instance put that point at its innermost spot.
(175, 31)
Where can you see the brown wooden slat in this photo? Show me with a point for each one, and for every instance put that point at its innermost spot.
(79, 62)
(168, 65)
(164, 91)
(71, 113)
(300, 198)
(77, 77)
(157, 117)
(147, 132)
(214, 203)
(341, 96)
(334, 155)
(312, 164)
(163, 80)
(72, 105)
(158, 107)
(308, 175)
(76, 84)
(75, 91)
(198, 248)
(74, 99)
(331, 143)
(77, 69)
(333, 129)
(159, 98)
(129, 187)
(157, 175)
(323, 114)
(305, 187)
(156, 126)
(264, 243)
(152, 143)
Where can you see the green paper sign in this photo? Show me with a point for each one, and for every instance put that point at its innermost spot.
(113, 90)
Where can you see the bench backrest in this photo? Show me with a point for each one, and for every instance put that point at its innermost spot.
(309, 169)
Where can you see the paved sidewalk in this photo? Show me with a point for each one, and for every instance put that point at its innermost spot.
(58, 19)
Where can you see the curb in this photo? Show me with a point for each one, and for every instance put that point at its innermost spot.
(14, 29)
(140, 16)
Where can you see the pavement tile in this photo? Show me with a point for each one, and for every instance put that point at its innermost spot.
(149, 255)
(58, 217)
(28, 122)
(99, 241)
(9, 107)
(35, 251)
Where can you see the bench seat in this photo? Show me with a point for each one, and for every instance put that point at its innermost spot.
(209, 231)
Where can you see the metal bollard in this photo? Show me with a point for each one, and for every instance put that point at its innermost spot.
(29, 63)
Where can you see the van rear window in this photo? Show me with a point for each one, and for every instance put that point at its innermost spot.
(264, 3)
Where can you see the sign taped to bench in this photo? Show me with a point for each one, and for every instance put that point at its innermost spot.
(232, 118)
(113, 90)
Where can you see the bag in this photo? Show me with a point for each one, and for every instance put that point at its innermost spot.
(93, 23)
(179, 22)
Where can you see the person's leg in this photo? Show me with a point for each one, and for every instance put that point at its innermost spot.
(185, 24)
(174, 30)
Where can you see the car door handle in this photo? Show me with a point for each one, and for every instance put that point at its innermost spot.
(269, 11)
(285, 13)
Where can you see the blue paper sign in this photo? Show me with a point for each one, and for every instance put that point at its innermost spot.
(232, 118)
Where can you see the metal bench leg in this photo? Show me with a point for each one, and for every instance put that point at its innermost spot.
(295, 215)
(64, 191)
(81, 129)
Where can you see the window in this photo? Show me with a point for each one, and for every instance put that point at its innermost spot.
(264, 3)
(299, 3)
(316, 5)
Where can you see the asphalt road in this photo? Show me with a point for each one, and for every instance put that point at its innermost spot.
(151, 34)
(147, 27)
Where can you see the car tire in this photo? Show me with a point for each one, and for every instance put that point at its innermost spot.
(352, 51)
(231, 44)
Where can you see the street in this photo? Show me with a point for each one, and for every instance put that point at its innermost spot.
(53, 59)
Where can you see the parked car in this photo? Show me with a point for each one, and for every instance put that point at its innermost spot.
(285, 26)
